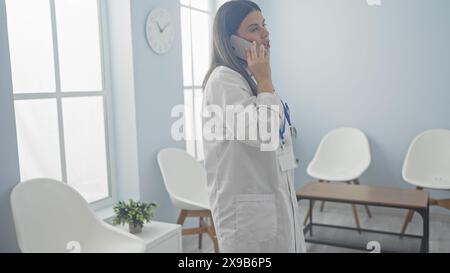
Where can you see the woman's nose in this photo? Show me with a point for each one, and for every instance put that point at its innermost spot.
(265, 33)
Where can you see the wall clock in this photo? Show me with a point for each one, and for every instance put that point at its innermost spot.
(160, 30)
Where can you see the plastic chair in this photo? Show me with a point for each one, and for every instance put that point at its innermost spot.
(185, 181)
(50, 216)
(427, 166)
(343, 155)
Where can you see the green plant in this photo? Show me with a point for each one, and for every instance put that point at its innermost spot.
(136, 214)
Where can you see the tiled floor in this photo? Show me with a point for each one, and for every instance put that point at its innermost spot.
(386, 219)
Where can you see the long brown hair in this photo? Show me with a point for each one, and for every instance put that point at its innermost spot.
(226, 23)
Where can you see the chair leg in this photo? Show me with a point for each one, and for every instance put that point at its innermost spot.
(356, 181)
(368, 211)
(182, 217)
(322, 206)
(444, 203)
(213, 235)
(204, 226)
(200, 235)
(307, 214)
(408, 219)
(355, 214)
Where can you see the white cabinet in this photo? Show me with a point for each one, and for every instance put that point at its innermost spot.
(161, 237)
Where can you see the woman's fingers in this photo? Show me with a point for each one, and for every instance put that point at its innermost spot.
(256, 52)
(248, 55)
(262, 52)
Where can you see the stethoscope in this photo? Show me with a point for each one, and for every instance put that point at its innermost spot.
(287, 117)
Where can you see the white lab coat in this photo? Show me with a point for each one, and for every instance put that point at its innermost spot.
(252, 200)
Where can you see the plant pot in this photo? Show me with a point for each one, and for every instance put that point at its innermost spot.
(134, 229)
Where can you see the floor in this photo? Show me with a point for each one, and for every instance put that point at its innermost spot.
(386, 219)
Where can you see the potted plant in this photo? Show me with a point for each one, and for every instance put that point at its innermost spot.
(133, 213)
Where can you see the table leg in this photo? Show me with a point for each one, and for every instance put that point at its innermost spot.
(427, 228)
(311, 202)
(424, 246)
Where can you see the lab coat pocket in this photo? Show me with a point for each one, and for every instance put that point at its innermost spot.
(256, 218)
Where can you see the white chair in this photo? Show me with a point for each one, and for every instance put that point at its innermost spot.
(427, 166)
(50, 216)
(185, 181)
(343, 155)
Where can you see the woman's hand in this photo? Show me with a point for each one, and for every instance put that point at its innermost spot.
(258, 60)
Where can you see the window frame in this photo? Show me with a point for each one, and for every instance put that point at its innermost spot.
(192, 144)
(105, 93)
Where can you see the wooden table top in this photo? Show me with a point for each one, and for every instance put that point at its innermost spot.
(360, 194)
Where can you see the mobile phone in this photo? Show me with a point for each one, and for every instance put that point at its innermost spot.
(238, 45)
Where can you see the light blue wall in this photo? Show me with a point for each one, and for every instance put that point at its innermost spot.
(159, 87)
(385, 70)
(9, 162)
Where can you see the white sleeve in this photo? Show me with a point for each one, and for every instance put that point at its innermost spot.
(228, 88)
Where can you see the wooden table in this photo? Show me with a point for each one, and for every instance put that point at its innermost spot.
(365, 195)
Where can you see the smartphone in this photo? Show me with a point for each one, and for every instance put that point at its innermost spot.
(238, 45)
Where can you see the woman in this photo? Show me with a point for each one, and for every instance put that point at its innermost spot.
(252, 194)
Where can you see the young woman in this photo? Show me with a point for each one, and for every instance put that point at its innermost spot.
(252, 194)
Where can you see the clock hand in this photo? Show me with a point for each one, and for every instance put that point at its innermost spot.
(165, 27)
(159, 27)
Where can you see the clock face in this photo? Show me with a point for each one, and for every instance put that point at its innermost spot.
(160, 31)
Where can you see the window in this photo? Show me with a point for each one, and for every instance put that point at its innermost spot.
(196, 21)
(60, 88)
